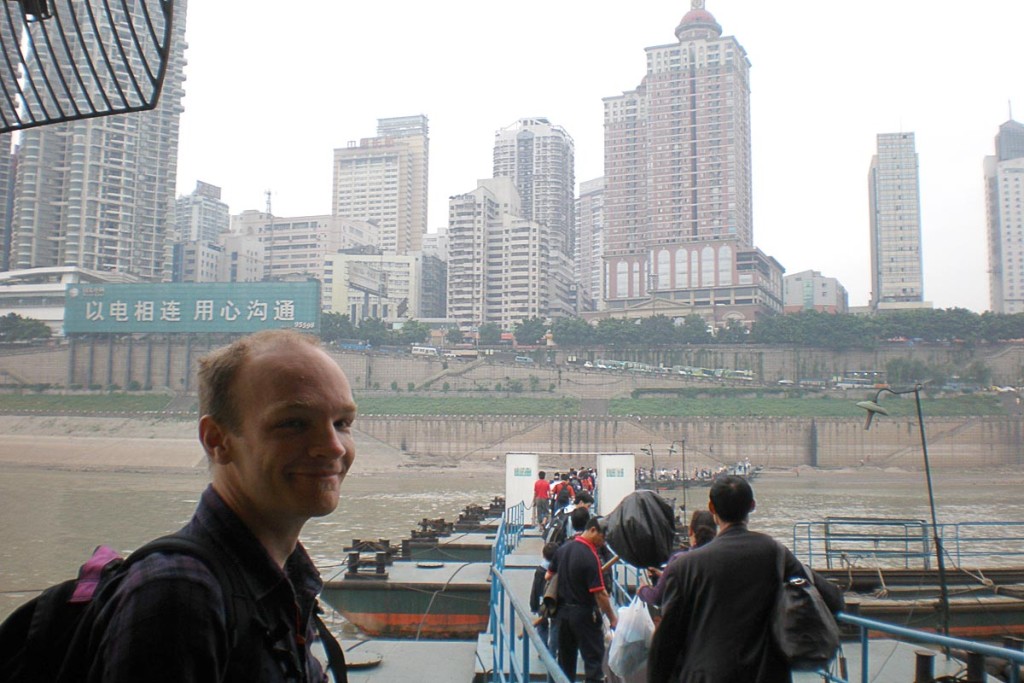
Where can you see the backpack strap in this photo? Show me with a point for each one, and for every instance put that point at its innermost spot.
(335, 653)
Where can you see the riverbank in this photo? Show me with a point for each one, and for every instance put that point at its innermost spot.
(129, 444)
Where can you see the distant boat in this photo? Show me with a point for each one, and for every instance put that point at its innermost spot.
(669, 481)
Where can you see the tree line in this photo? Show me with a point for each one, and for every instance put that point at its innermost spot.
(807, 328)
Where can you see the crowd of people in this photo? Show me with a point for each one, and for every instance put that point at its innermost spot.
(711, 601)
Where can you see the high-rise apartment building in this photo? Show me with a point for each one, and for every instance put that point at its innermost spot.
(99, 193)
(1004, 203)
(587, 264)
(500, 268)
(540, 159)
(678, 230)
(201, 216)
(895, 211)
(7, 168)
(383, 180)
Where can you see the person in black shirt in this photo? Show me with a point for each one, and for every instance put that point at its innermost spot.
(582, 597)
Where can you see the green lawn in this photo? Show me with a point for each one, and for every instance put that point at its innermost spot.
(96, 403)
(740, 405)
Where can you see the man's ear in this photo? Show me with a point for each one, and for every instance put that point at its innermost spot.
(214, 438)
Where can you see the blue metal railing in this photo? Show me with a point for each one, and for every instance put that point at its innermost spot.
(1015, 657)
(510, 531)
(512, 652)
(907, 543)
(513, 637)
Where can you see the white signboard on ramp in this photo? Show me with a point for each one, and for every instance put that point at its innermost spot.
(520, 473)
(616, 479)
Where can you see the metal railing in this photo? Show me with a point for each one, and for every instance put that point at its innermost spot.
(906, 543)
(514, 640)
(1015, 658)
(510, 531)
(513, 636)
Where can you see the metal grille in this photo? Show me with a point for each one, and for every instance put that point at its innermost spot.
(65, 60)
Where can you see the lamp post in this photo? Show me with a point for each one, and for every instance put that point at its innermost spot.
(873, 407)
(682, 450)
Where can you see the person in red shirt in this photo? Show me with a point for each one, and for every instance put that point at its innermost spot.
(541, 503)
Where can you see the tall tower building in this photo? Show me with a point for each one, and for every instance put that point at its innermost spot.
(589, 243)
(895, 210)
(540, 159)
(1004, 189)
(99, 193)
(678, 217)
(383, 180)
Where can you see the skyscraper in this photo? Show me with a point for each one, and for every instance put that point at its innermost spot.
(99, 193)
(201, 216)
(540, 159)
(1004, 189)
(678, 216)
(589, 243)
(895, 211)
(384, 180)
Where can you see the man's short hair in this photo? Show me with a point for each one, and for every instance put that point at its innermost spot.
(542, 474)
(549, 550)
(732, 497)
(219, 369)
(598, 523)
(578, 517)
(584, 498)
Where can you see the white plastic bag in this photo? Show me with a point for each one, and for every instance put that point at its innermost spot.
(632, 639)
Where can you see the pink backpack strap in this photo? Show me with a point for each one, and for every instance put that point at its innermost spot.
(89, 574)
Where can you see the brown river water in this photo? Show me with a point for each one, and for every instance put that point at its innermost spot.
(52, 517)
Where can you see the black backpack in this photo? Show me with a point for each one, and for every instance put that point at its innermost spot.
(47, 638)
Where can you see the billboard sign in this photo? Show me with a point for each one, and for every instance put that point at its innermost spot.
(207, 307)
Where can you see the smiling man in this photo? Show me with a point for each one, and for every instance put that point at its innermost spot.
(276, 424)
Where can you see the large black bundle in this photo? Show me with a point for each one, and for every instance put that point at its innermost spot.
(642, 529)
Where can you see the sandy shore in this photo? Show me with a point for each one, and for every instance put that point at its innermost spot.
(109, 443)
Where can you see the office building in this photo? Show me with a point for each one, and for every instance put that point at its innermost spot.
(436, 243)
(297, 245)
(809, 290)
(895, 212)
(678, 226)
(98, 193)
(383, 180)
(364, 282)
(1004, 203)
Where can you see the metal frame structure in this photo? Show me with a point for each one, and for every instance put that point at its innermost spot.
(66, 60)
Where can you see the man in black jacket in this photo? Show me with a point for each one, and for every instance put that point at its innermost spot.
(718, 600)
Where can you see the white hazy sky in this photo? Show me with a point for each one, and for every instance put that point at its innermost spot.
(273, 88)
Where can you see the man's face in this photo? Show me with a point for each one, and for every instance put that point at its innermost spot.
(293, 446)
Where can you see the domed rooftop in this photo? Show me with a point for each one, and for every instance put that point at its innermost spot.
(698, 20)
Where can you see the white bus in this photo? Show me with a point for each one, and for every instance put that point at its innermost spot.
(424, 351)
